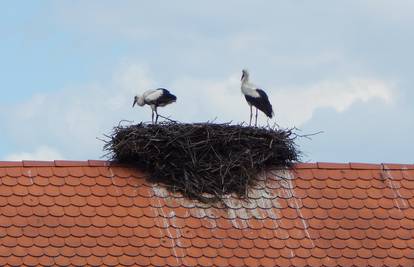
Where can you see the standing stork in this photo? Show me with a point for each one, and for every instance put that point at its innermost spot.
(155, 98)
(255, 97)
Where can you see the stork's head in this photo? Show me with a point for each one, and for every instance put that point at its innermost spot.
(139, 100)
(245, 75)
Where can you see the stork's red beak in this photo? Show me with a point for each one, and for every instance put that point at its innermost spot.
(242, 76)
(135, 102)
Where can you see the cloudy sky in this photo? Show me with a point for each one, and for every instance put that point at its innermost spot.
(69, 70)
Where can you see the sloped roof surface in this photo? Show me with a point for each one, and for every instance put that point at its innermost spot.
(87, 213)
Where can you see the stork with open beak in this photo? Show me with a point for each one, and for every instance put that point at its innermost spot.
(155, 98)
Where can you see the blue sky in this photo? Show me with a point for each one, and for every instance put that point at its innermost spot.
(70, 69)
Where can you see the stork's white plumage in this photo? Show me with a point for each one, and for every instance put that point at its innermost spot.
(255, 97)
(155, 98)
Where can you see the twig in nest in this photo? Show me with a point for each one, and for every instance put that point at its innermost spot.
(167, 118)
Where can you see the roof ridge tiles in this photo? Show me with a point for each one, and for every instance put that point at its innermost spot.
(299, 165)
(60, 163)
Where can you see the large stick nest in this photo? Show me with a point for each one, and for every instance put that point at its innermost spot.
(203, 161)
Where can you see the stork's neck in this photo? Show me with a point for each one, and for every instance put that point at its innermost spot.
(140, 100)
(246, 86)
(245, 78)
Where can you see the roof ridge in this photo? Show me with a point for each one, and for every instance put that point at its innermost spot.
(355, 166)
(300, 165)
(57, 163)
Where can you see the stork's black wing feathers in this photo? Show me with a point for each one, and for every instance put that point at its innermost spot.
(165, 98)
(262, 102)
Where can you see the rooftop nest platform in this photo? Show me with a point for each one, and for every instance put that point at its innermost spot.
(203, 161)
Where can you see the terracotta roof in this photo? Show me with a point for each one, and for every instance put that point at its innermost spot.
(86, 213)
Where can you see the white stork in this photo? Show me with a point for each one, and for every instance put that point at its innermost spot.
(155, 98)
(255, 97)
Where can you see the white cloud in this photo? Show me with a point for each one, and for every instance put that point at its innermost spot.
(40, 153)
(205, 100)
(73, 118)
(297, 105)
(202, 100)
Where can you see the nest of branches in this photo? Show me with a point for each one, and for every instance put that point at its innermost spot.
(203, 161)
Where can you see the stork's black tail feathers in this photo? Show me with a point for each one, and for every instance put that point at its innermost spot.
(265, 105)
(262, 103)
(167, 97)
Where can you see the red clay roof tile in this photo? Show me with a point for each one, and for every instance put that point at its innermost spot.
(78, 213)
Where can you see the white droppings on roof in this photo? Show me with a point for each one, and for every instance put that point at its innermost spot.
(242, 214)
(159, 191)
(29, 174)
(288, 187)
(167, 228)
(262, 201)
(200, 213)
(233, 218)
(202, 205)
(399, 201)
(211, 222)
(111, 173)
(273, 214)
(175, 241)
(249, 204)
(291, 253)
(282, 174)
(232, 203)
